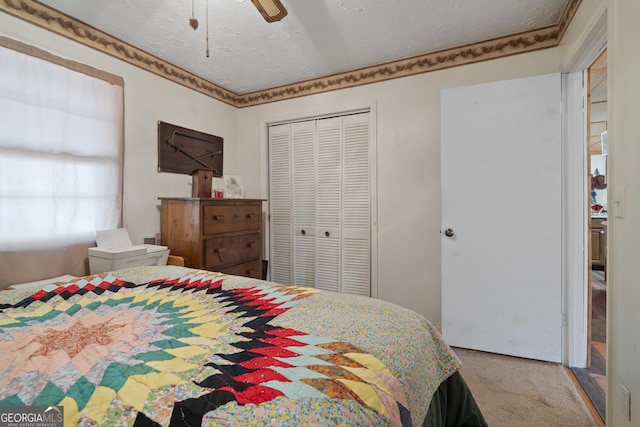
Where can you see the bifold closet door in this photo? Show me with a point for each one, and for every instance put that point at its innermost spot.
(292, 196)
(343, 205)
(320, 203)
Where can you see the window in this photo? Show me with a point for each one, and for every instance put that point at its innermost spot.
(61, 150)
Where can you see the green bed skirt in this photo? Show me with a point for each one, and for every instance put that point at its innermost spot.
(453, 405)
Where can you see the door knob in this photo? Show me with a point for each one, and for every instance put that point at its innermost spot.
(449, 232)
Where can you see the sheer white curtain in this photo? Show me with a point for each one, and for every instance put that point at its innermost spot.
(61, 133)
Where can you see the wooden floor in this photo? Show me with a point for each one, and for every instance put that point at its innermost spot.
(594, 378)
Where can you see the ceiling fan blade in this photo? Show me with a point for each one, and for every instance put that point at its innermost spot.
(271, 10)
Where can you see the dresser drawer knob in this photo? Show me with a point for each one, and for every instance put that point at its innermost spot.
(326, 233)
(303, 232)
(251, 215)
(219, 250)
(218, 217)
(251, 244)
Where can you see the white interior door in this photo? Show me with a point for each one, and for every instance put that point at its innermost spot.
(501, 197)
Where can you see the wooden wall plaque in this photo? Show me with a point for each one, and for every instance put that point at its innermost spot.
(182, 150)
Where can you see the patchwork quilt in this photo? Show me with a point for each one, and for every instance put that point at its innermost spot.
(174, 346)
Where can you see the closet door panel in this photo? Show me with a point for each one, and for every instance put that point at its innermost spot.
(328, 203)
(304, 200)
(280, 203)
(356, 207)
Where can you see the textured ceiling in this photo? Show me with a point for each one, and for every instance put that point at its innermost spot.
(317, 38)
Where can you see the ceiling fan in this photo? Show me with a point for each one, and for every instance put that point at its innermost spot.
(271, 10)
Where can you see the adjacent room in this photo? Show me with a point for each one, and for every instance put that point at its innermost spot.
(216, 211)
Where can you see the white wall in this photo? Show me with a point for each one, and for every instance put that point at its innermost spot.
(148, 98)
(623, 315)
(407, 116)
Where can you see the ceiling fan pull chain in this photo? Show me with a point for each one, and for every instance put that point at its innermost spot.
(207, 19)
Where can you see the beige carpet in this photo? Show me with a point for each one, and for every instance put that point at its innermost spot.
(521, 392)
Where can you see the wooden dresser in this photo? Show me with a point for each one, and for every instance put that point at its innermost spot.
(214, 234)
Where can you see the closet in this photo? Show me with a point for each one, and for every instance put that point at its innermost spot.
(320, 203)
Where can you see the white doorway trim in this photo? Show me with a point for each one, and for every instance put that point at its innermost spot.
(575, 222)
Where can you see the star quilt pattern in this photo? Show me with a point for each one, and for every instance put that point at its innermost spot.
(171, 351)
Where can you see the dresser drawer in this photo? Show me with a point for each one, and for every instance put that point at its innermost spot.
(231, 250)
(247, 269)
(229, 218)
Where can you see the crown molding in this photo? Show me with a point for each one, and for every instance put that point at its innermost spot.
(513, 44)
(477, 52)
(59, 23)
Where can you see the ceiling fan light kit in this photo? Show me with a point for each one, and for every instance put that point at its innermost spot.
(271, 10)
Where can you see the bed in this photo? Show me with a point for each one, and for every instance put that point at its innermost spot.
(149, 346)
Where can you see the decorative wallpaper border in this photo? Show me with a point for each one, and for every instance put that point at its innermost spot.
(57, 22)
